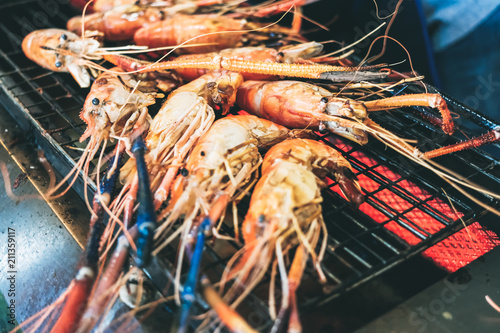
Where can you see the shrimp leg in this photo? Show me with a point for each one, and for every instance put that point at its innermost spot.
(143, 231)
(492, 136)
(429, 100)
(110, 276)
(233, 321)
(188, 293)
(434, 101)
(84, 280)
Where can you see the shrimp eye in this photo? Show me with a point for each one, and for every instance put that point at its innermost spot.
(281, 54)
(202, 153)
(262, 218)
(184, 172)
(95, 101)
(58, 64)
(324, 100)
(322, 128)
(64, 37)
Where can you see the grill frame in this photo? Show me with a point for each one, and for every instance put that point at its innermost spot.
(15, 93)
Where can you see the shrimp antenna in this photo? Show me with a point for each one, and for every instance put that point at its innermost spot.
(394, 14)
(355, 43)
(188, 293)
(84, 12)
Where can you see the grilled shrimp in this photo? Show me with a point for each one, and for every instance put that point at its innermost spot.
(221, 31)
(121, 22)
(243, 62)
(181, 28)
(115, 105)
(183, 118)
(115, 102)
(303, 105)
(284, 213)
(221, 166)
(61, 51)
(117, 24)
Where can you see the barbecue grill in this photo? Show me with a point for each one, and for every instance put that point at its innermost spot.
(408, 209)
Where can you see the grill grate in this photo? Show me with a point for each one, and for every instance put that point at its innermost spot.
(405, 212)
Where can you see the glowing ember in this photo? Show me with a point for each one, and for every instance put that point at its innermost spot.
(451, 253)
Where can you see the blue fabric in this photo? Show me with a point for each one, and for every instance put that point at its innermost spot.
(470, 68)
(429, 49)
(449, 21)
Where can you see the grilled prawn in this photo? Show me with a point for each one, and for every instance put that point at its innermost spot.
(161, 24)
(223, 31)
(60, 51)
(221, 167)
(199, 28)
(183, 118)
(302, 105)
(63, 51)
(252, 63)
(115, 105)
(285, 213)
(122, 22)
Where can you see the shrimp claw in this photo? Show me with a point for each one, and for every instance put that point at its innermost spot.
(83, 282)
(215, 61)
(188, 295)
(146, 218)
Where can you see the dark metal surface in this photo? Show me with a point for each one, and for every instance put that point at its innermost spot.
(44, 103)
(48, 104)
(455, 304)
(40, 236)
